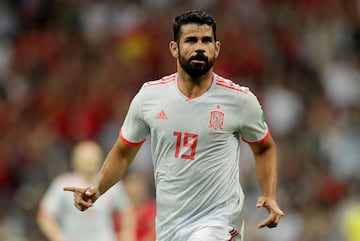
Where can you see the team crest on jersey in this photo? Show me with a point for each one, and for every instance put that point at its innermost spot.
(216, 120)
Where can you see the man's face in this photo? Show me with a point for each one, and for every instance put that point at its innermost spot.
(197, 49)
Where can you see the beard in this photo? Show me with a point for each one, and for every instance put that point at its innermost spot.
(196, 70)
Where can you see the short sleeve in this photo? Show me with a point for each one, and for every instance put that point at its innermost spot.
(254, 128)
(134, 129)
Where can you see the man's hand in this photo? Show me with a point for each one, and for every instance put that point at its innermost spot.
(275, 212)
(84, 198)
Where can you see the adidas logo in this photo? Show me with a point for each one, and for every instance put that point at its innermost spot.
(161, 115)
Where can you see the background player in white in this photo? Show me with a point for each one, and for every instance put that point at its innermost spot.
(194, 120)
(58, 219)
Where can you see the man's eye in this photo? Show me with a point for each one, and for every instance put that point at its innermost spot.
(207, 40)
(191, 40)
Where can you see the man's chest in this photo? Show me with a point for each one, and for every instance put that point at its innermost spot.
(187, 122)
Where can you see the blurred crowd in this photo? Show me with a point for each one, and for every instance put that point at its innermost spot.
(68, 70)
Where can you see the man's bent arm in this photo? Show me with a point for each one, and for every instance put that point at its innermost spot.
(266, 157)
(115, 165)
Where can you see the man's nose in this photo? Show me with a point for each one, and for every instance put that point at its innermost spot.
(200, 46)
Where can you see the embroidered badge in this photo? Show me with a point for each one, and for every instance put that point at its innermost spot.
(216, 120)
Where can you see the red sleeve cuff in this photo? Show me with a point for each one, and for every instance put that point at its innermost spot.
(259, 141)
(122, 138)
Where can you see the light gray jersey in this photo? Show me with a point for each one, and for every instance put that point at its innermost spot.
(93, 225)
(195, 145)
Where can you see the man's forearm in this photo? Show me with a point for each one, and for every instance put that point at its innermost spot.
(113, 169)
(267, 171)
(115, 165)
(266, 157)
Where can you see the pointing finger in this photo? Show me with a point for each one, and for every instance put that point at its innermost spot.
(73, 189)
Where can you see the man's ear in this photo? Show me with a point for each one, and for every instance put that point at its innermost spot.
(173, 47)
(217, 48)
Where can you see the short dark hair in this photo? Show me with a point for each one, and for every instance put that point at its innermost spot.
(193, 16)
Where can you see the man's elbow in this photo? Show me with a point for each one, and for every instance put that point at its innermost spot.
(264, 147)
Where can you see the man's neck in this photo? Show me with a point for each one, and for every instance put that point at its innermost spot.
(193, 88)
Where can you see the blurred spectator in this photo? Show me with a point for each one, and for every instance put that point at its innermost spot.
(59, 221)
(341, 82)
(284, 109)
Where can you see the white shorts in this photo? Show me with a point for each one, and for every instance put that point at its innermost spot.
(215, 233)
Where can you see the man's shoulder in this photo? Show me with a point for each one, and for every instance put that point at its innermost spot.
(227, 84)
(160, 82)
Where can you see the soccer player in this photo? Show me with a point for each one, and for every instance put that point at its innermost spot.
(60, 221)
(195, 120)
